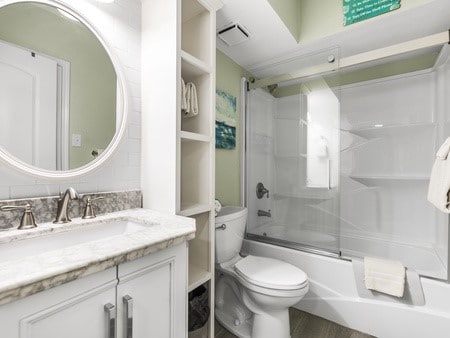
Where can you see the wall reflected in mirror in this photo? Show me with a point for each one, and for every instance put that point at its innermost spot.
(58, 88)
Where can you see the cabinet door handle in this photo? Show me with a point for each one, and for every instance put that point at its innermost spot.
(111, 315)
(128, 302)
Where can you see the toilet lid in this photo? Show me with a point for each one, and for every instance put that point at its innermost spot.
(271, 273)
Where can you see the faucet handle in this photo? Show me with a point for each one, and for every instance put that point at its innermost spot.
(261, 191)
(89, 211)
(27, 221)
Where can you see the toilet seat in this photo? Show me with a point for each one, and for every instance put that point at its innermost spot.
(268, 273)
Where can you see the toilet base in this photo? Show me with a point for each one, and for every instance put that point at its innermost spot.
(229, 309)
(243, 330)
(269, 325)
(249, 313)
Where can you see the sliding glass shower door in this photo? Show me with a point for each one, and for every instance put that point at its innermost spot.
(338, 161)
(293, 161)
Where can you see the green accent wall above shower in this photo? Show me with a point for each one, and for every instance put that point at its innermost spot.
(312, 19)
(289, 13)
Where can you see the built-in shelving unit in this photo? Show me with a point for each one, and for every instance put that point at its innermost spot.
(196, 141)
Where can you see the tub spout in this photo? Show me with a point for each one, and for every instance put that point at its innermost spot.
(264, 213)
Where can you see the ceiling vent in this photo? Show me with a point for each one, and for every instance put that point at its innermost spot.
(233, 34)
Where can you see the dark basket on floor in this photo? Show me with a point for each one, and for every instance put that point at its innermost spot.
(198, 309)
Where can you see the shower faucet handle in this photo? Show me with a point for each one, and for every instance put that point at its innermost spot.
(261, 191)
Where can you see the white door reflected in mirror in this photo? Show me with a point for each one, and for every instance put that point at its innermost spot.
(61, 99)
(29, 88)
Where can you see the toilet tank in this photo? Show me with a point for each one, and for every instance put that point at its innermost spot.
(231, 222)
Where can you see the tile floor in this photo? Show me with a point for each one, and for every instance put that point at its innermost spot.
(305, 325)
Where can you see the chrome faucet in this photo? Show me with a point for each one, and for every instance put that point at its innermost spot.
(264, 213)
(63, 204)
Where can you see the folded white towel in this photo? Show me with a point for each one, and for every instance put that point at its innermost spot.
(384, 276)
(191, 100)
(438, 190)
(183, 97)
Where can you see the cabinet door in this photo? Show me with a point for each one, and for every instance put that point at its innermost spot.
(72, 310)
(153, 289)
(150, 302)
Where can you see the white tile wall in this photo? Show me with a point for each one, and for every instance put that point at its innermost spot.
(119, 24)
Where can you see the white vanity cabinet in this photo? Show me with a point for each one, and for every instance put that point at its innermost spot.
(153, 289)
(156, 285)
(72, 310)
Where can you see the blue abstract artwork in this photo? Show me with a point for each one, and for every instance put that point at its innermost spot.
(225, 120)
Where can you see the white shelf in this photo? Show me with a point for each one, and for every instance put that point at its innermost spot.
(190, 9)
(358, 145)
(192, 67)
(378, 131)
(187, 136)
(197, 277)
(301, 196)
(283, 157)
(194, 209)
(372, 179)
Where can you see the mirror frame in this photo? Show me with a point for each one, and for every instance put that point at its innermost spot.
(122, 104)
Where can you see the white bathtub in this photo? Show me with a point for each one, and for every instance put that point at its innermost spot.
(333, 295)
(424, 259)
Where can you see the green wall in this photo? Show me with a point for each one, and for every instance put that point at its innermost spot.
(325, 17)
(312, 19)
(92, 76)
(228, 79)
(289, 13)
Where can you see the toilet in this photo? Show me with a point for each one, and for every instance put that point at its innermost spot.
(253, 294)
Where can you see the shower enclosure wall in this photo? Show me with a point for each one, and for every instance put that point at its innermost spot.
(346, 156)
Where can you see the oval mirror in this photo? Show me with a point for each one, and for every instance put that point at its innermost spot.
(62, 101)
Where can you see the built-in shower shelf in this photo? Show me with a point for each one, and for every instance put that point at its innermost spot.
(380, 130)
(290, 157)
(372, 180)
(315, 198)
(355, 146)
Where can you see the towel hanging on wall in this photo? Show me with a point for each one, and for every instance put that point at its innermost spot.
(439, 188)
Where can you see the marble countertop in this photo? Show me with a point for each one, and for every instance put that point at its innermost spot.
(29, 274)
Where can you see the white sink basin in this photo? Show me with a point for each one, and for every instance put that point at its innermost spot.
(54, 241)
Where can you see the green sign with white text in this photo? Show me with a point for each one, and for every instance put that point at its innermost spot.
(359, 10)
